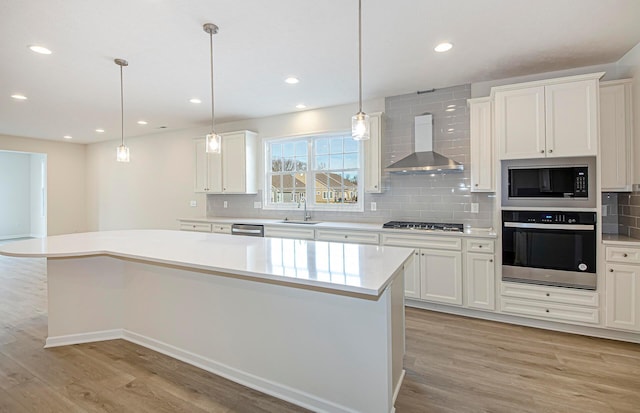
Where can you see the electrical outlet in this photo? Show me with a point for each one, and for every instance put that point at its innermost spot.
(193, 203)
(225, 205)
(475, 207)
(257, 204)
(374, 206)
(605, 210)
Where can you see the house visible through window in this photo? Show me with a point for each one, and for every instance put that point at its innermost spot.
(325, 165)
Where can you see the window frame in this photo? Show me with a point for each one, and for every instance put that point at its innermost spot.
(310, 187)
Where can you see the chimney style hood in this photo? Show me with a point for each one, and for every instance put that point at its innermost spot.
(424, 159)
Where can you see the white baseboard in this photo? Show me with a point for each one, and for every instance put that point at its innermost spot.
(397, 389)
(83, 338)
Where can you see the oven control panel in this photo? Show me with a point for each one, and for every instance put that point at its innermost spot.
(550, 217)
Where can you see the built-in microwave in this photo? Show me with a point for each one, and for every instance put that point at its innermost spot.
(558, 182)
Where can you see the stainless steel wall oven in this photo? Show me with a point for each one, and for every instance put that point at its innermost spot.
(549, 248)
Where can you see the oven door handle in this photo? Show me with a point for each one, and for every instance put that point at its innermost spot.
(577, 227)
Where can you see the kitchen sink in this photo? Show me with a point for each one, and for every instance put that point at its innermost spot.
(293, 221)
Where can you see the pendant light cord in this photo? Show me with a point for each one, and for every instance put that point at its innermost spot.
(212, 100)
(121, 106)
(359, 56)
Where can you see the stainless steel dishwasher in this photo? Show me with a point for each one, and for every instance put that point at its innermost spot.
(249, 230)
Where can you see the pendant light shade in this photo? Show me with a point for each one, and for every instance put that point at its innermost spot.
(360, 121)
(213, 140)
(122, 152)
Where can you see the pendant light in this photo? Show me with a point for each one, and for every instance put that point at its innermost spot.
(122, 152)
(360, 121)
(213, 140)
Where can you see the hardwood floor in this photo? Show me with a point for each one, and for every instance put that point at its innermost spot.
(454, 364)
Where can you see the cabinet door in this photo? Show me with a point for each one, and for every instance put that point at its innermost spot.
(372, 156)
(208, 169)
(479, 280)
(233, 163)
(622, 286)
(412, 276)
(519, 121)
(441, 276)
(482, 170)
(572, 118)
(616, 146)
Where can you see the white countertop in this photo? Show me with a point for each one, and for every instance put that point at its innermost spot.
(362, 269)
(617, 239)
(356, 226)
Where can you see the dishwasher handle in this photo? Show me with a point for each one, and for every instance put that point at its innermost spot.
(248, 230)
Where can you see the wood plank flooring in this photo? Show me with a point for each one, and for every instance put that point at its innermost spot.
(454, 364)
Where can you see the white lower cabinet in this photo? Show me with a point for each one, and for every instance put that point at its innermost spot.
(412, 276)
(441, 276)
(195, 226)
(357, 237)
(479, 281)
(436, 271)
(552, 303)
(622, 286)
(278, 231)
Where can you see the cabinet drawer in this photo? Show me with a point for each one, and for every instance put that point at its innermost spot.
(295, 233)
(221, 228)
(551, 294)
(548, 310)
(478, 245)
(423, 241)
(626, 255)
(348, 236)
(195, 226)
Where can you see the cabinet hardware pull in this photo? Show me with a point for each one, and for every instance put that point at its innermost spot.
(610, 269)
(542, 151)
(547, 310)
(548, 294)
(490, 260)
(423, 254)
(624, 255)
(476, 184)
(550, 150)
(479, 246)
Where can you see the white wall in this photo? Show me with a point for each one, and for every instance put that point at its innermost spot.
(155, 188)
(66, 194)
(15, 183)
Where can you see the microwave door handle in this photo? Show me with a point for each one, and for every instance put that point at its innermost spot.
(545, 180)
(569, 227)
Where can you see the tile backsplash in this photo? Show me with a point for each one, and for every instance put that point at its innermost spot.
(629, 214)
(425, 197)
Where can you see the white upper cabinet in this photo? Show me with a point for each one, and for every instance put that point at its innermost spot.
(551, 118)
(233, 171)
(616, 135)
(482, 150)
(372, 155)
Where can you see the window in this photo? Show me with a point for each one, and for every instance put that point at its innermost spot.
(325, 165)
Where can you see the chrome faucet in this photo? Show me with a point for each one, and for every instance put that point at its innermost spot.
(307, 216)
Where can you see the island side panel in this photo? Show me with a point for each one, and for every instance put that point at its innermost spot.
(85, 299)
(397, 328)
(325, 351)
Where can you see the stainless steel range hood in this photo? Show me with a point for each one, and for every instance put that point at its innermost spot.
(424, 159)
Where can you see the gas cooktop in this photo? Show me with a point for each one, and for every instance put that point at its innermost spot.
(424, 226)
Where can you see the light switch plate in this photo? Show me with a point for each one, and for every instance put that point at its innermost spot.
(475, 207)
(374, 206)
(193, 203)
(225, 204)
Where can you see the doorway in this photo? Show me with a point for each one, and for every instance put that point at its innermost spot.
(23, 195)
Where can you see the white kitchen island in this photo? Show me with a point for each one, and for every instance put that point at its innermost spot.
(316, 323)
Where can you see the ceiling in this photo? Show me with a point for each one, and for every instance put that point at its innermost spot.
(76, 89)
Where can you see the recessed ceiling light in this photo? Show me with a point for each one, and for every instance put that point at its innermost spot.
(292, 80)
(301, 106)
(443, 47)
(100, 130)
(67, 137)
(142, 122)
(19, 97)
(39, 49)
(195, 100)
